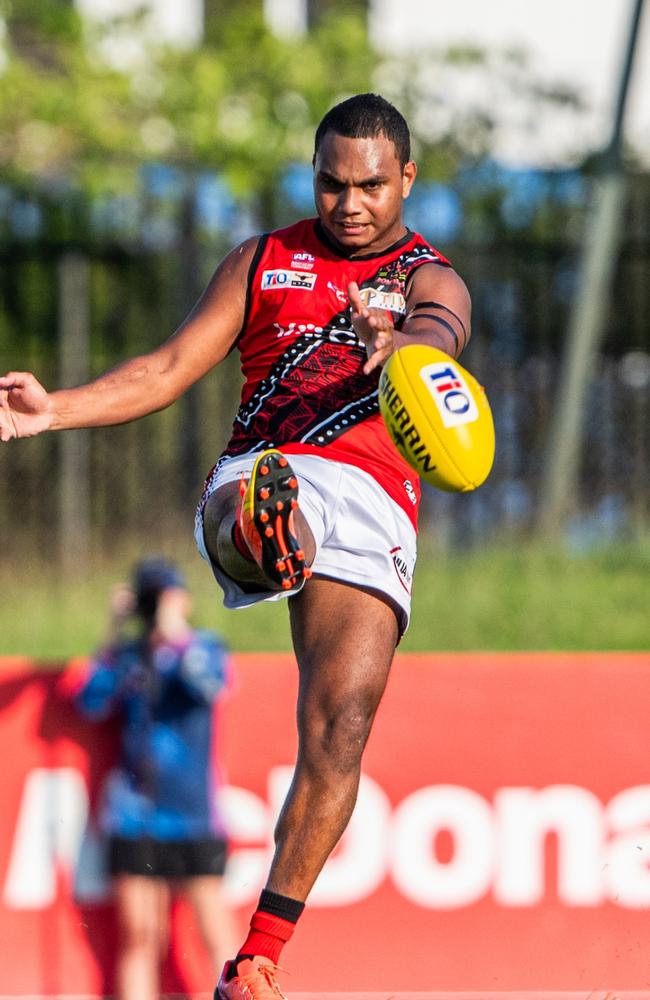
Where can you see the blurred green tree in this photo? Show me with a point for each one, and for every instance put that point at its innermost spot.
(245, 103)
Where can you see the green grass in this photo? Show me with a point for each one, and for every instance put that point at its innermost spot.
(528, 597)
(499, 598)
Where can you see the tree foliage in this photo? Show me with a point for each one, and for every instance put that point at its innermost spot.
(458, 100)
(245, 103)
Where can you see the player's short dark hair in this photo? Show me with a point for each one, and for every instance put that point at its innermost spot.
(365, 116)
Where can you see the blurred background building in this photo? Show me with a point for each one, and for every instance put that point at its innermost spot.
(141, 140)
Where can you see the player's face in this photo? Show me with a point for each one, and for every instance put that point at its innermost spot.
(359, 187)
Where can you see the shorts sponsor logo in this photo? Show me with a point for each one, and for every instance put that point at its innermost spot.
(403, 567)
(450, 393)
(272, 280)
(303, 261)
(376, 298)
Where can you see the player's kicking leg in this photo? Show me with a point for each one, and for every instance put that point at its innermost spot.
(344, 640)
(255, 530)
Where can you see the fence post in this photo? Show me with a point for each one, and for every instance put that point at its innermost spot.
(561, 473)
(588, 321)
(74, 368)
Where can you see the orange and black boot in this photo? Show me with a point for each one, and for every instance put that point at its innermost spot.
(266, 521)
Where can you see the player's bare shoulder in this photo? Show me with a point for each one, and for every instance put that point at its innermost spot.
(438, 296)
(211, 329)
(442, 284)
(243, 254)
(219, 313)
(235, 266)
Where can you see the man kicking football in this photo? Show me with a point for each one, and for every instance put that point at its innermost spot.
(310, 500)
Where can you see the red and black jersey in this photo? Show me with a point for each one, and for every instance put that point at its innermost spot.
(305, 391)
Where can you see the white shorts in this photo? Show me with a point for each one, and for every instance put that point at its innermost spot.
(362, 536)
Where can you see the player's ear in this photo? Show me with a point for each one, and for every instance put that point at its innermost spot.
(408, 176)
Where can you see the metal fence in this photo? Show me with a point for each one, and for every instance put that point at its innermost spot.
(69, 309)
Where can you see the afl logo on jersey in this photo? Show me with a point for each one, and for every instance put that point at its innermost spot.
(303, 261)
(273, 280)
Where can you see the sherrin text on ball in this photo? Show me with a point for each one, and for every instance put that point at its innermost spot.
(438, 417)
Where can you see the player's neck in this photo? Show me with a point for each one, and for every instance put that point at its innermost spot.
(400, 234)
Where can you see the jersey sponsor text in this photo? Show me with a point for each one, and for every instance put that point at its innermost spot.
(287, 279)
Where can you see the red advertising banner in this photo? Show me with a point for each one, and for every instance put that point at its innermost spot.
(501, 840)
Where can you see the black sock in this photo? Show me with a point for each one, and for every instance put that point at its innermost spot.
(280, 906)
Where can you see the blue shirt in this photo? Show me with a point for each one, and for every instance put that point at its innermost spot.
(165, 786)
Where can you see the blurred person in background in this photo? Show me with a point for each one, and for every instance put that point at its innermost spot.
(310, 499)
(160, 811)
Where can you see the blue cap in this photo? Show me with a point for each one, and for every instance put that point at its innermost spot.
(154, 575)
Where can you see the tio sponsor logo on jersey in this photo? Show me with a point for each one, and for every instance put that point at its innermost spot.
(273, 280)
(443, 847)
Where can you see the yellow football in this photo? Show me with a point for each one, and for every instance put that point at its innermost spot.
(438, 417)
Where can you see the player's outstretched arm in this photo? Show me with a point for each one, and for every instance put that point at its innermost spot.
(24, 406)
(143, 384)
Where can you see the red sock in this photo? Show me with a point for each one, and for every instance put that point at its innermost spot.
(267, 936)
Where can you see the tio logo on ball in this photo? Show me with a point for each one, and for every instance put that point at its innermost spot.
(450, 393)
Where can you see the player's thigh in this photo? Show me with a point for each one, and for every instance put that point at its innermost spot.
(344, 639)
(142, 906)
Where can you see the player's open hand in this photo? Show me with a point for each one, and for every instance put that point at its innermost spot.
(25, 406)
(374, 328)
